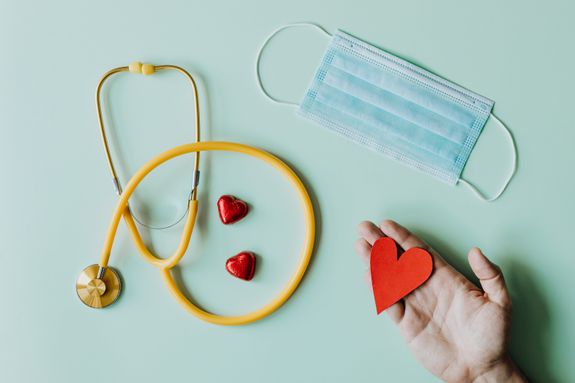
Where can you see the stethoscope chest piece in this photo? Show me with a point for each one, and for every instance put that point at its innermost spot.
(98, 287)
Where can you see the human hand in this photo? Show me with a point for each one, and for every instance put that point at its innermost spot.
(456, 330)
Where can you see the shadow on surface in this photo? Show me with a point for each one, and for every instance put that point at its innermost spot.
(458, 261)
(316, 211)
(530, 331)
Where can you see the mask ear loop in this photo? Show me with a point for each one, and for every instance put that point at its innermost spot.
(259, 56)
(475, 190)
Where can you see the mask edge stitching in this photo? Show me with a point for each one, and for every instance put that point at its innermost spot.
(469, 144)
(419, 82)
(413, 67)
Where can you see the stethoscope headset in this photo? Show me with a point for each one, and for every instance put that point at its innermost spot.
(99, 285)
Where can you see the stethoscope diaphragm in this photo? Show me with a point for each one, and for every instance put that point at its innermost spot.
(98, 287)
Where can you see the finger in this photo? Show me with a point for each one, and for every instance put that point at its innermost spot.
(401, 235)
(396, 311)
(369, 231)
(363, 249)
(490, 277)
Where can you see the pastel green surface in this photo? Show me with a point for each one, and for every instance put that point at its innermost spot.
(56, 197)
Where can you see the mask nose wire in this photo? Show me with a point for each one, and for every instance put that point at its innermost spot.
(264, 45)
(474, 188)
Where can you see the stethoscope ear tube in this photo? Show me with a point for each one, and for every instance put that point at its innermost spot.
(148, 69)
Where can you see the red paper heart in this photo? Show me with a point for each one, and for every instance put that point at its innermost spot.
(231, 209)
(242, 265)
(393, 278)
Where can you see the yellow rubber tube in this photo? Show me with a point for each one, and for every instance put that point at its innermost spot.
(166, 264)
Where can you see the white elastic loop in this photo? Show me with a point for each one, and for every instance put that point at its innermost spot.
(267, 40)
(474, 189)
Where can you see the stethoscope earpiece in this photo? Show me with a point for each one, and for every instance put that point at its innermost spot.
(138, 67)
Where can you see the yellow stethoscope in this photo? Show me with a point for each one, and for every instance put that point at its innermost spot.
(99, 285)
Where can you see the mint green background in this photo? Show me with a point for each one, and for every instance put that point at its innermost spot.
(56, 197)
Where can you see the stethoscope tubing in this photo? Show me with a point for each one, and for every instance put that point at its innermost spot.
(166, 264)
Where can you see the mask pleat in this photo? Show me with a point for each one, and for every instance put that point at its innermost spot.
(397, 105)
(383, 78)
(348, 44)
(376, 139)
(389, 123)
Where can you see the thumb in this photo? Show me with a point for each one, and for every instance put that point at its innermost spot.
(490, 277)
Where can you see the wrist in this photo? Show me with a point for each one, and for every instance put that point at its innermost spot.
(502, 371)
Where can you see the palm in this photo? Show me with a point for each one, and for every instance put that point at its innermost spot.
(454, 316)
(455, 329)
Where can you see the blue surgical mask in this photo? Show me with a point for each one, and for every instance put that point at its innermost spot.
(389, 105)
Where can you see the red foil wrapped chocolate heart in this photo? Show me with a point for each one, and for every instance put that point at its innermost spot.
(242, 265)
(231, 209)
